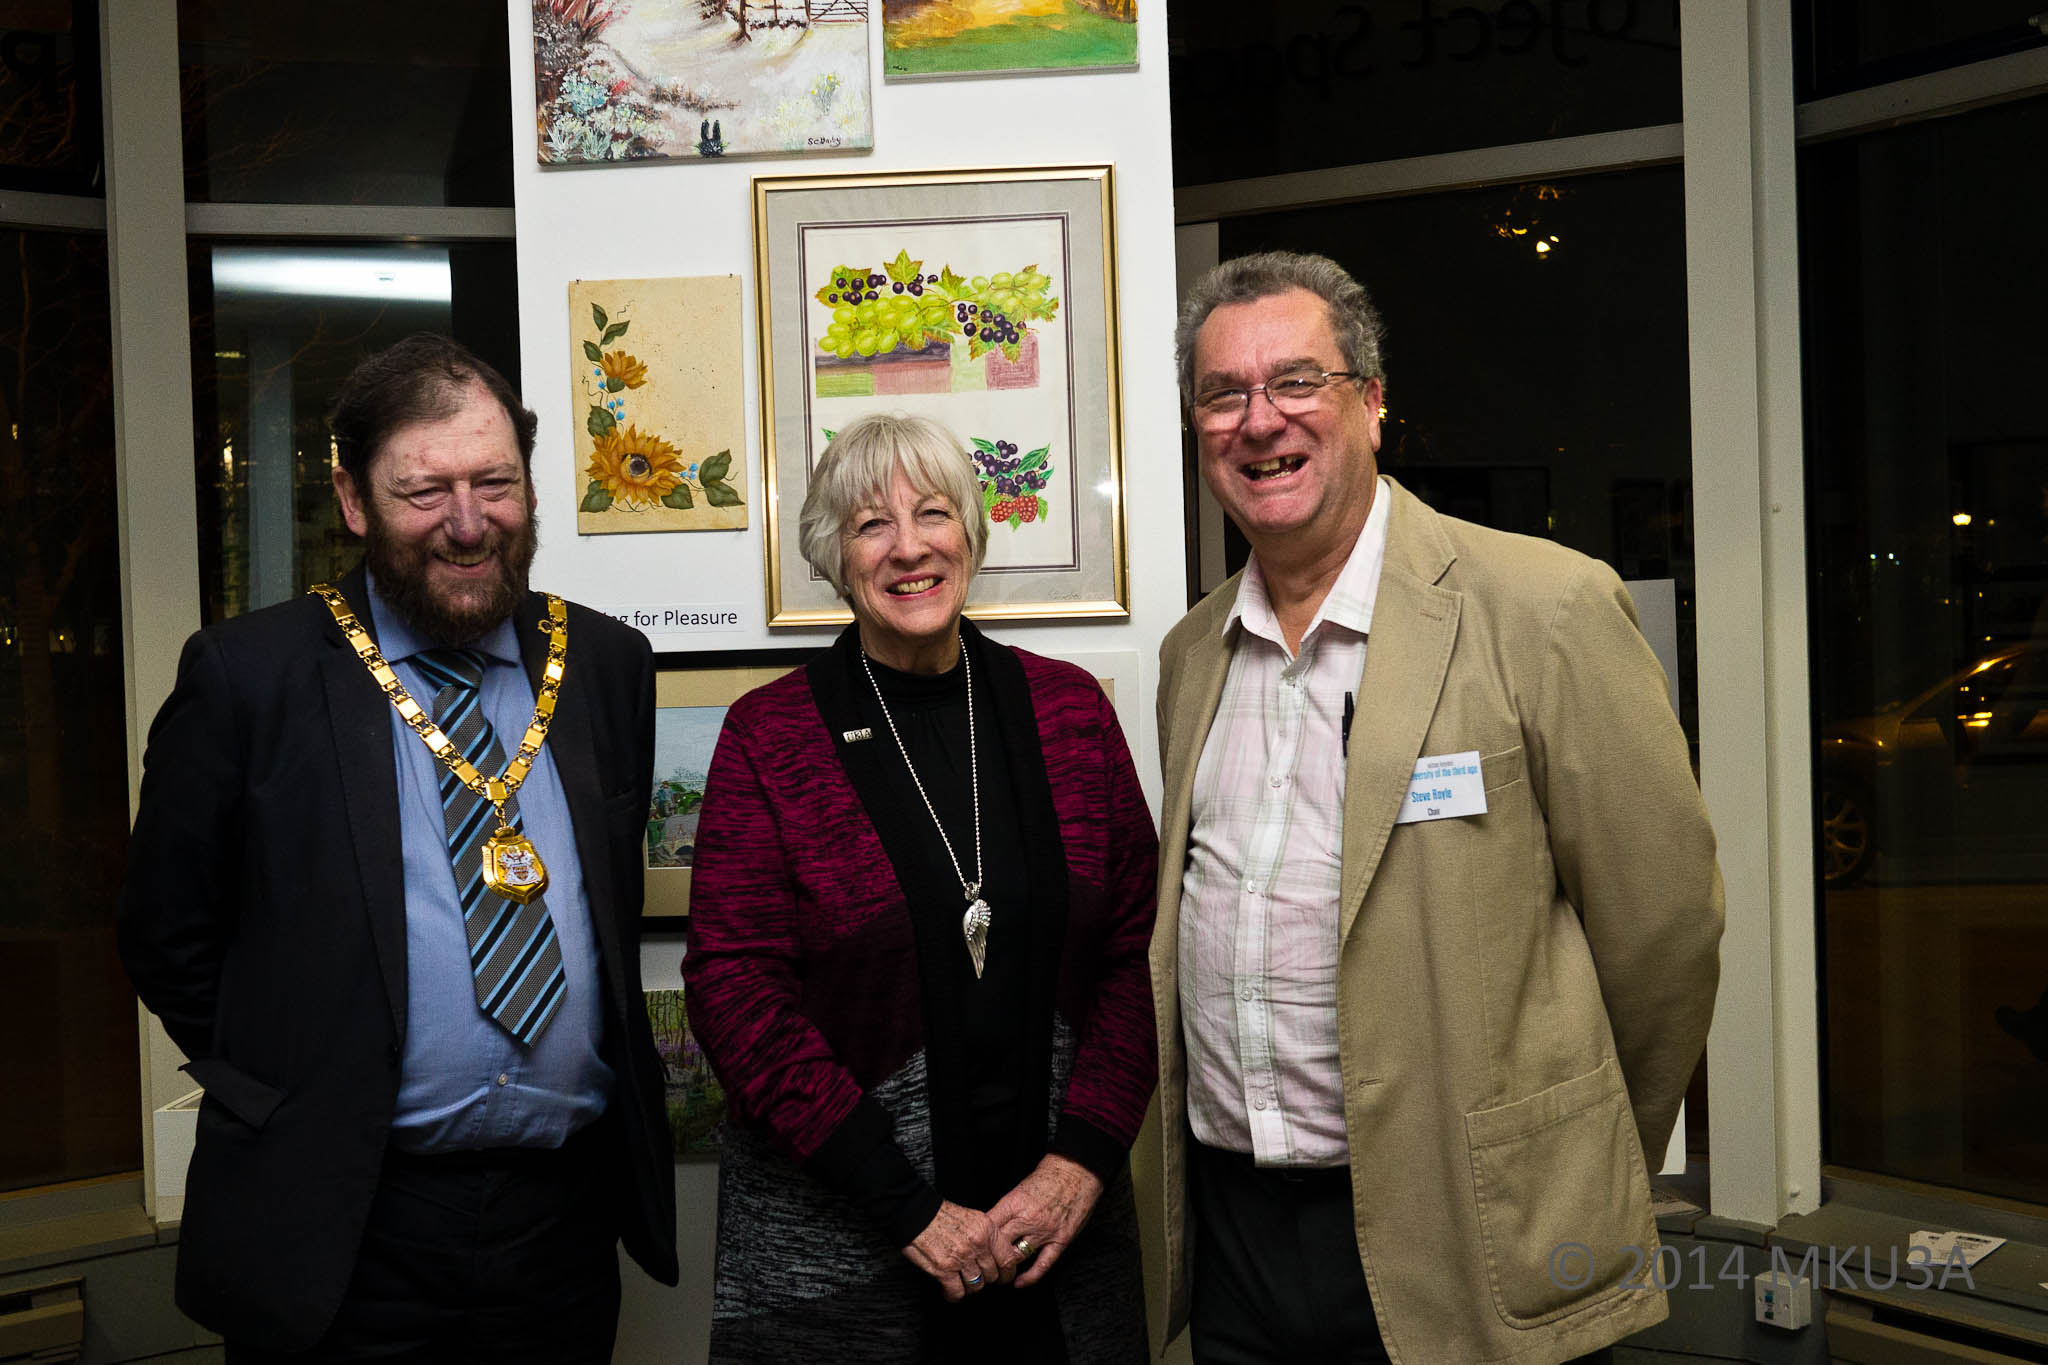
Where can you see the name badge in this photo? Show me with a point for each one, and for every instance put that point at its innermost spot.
(1443, 787)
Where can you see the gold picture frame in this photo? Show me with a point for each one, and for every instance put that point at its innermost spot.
(690, 704)
(1037, 393)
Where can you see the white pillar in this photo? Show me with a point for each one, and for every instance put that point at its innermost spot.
(1742, 281)
(153, 458)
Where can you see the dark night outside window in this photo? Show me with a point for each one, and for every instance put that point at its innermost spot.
(369, 102)
(70, 1074)
(1266, 89)
(1928, 461)
(1842, 45)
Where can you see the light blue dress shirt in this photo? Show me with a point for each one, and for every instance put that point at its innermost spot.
(465, 1084)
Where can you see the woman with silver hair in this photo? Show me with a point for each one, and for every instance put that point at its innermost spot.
(922, 895)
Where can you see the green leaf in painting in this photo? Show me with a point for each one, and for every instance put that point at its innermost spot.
(591, 352)
(716, 467)
(1044, 509)
(829, 436)
(988, 498)
(678, 498)
(903, 270)
(1033, 460)
(615, 331)
(595, 499)
(985, 447)
(951, 284)
(600, 423)
(614, 384)
(597, 316)
(721, 494)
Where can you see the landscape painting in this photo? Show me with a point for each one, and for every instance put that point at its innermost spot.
(684, 737)
(634, 80)
(656, 377)
(1005, 37)
(689, 712)
(695, 1099)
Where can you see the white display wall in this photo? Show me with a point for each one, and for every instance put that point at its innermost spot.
(694, 218)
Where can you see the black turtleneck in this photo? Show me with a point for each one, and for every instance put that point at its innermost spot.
(930, 712)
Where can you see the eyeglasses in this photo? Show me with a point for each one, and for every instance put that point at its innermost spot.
(1289, 393)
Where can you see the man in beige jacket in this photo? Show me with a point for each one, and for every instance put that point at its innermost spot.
(1438, 912)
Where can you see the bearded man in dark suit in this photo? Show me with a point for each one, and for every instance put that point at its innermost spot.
(433, 1106)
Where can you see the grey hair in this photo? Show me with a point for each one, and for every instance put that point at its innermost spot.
(857, 469)
(1353, 318)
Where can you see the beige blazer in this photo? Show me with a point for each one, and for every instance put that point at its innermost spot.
(1522, 995)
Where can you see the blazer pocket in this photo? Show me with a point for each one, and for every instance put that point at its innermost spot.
(1562, 1198)
(248, 1099)
(1502, 769)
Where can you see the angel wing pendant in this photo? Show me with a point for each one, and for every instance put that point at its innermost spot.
(974, 928)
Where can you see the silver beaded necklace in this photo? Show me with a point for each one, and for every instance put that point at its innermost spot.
(973, 924)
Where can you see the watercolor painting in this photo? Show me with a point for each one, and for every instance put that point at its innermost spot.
(636, 80)
(897, 328)
(696, 1101)
(689, 712)
(1005, 37)
(684, 737)
(961, 320)
(656, 372)
(983, 300)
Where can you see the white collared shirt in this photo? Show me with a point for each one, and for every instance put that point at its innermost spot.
(1259, 898)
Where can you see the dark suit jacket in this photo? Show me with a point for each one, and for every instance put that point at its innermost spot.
(264, 922)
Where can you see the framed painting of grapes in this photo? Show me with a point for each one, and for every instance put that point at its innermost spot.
(985, 300)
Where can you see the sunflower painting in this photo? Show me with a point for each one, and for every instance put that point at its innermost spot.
(655, 369)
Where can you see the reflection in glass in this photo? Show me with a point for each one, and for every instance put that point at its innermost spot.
(68, 1083)
(1922, 294)
(50, 98)
(1842, 46)
(276, 330)
(1266, 89)
(372, 102)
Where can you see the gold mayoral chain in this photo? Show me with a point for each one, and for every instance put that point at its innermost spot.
(511, 865)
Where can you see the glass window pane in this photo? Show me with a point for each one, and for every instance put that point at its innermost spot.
(275, 331)
(1512, 398)
(70, 1070)
(50, 97)
(1264, 89)
(1850, 44)
(1922, 295)
(371, 102)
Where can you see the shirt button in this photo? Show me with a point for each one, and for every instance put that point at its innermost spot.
(502, 1078)
(1250, 994)
(1279, 781)
(1259, 1104)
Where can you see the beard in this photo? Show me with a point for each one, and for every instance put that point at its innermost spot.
(449, 616)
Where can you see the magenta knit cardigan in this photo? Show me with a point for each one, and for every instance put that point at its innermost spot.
(801, 972)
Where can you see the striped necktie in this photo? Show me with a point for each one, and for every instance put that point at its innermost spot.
(513, 955)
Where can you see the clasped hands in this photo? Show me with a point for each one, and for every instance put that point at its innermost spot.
(966, 1250)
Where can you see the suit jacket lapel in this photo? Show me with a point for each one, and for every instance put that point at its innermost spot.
(1197, 690)
(1414, 625)
(359, 720)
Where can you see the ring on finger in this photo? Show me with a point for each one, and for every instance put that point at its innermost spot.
(1024, 1248)
(973, 1281)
